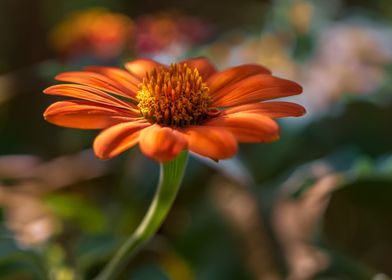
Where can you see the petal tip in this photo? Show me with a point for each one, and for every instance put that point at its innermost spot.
(297, 88)
(48, 90)
(60, 76)
(98, 151)
(302, 111)
(101, 156)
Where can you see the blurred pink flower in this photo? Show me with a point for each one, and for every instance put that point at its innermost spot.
(164, 32)
(352, 56)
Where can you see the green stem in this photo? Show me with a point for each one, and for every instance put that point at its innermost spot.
(171, 174)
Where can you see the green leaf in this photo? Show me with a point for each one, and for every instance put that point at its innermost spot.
(148, 273)
(92, 250)
(18, 263)
(363, 166)
(69, 206)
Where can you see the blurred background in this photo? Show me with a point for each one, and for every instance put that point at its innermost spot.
(314, 205)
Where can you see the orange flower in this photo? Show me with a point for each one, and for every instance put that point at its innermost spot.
(167, 109)
(94, 31)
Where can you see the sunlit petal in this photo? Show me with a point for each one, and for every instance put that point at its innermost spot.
(162, 143)
(277, 109)
(86, 115)
(87, 93)
(213, 142)
(97, 81)
(140, 67)
(232, 75)
(126, 79)
(118, 138)
(248, 127)
(202, 64)
(253, 89)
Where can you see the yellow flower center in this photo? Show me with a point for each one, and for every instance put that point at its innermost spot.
(174, 96)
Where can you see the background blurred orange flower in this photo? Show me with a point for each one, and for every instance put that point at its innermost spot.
(97, 31)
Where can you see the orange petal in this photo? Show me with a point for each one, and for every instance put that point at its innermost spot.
(278, 109)
(213, 142)
(96, 80)
(87, 93)
(126, 79)
(248, 127)
(253, 89)
(85, 115)
(234, 74)
(118, 138)
(140, 67)
(162, 143)
(203, 65)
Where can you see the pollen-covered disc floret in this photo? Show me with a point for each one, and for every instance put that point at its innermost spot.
(174, 96)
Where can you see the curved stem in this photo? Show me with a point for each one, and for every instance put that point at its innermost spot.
(171, 175)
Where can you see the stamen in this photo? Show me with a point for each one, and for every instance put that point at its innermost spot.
(175, 96)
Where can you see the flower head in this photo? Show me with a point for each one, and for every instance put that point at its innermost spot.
(167, 109)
